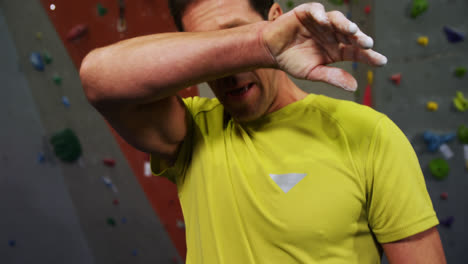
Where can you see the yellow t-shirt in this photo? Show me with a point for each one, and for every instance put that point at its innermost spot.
(318, 181)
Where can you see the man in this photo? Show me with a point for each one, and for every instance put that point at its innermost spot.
(267, 173)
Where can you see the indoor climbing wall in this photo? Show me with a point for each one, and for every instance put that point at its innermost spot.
(111, 210)
(424, 89)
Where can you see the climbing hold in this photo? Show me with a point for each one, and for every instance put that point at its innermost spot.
(12, 243)
(39, 35)
(36, 61)
(396, 78)
(444, 196)
(121, 23)
(47, 58)
(439, 168)
(123, 220)
(447, 222)
(419, 7)
(460, 72)
(446, 151)
(66, 145)
(102, 11)
(453, 36)
(370, 77)
(40, 157)
(290, 4)
(434, 141)
(66, 101)
(180, 224)
(115, 202)
(77, 32)
(367, 9)
(57, 79)
(367, 100)
(463, 134)
(108, 182)
(109, 162)
(134, 252)
(111, 222)
(432, 106)
(355, 65)
(460, 103)
(147, 169)
(423, 41)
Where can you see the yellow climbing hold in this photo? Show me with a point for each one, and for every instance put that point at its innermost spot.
(423, 41)
(39, 35)
(370, 77)
(432, 106)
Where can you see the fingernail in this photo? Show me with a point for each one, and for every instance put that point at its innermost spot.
(383, 60)
(368, 43)
(353, 28)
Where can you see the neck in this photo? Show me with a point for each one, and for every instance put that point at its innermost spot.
(286, 92)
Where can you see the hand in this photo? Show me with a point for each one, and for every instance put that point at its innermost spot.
(306, 39)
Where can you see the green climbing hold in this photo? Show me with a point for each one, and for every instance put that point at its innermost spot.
(419, 7)
(102, 11)
(439, 168)
(57, 79)
(463, 134)
(460, 72)
(111, 221)
(47, 58)
(336, 2)
(460, 103)
(290, 4)
(66, 145)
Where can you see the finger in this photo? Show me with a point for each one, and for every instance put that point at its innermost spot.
(342, 24)
(334, 76)
(361, 40)
(371, 57)
(343, 39)
(314, 17)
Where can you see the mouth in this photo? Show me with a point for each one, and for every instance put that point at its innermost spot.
(240, 92)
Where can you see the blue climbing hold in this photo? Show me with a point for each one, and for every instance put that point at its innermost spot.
(65, 101)
(434, 141)
(134, 252)
(41, 157)
(448, 222)
(453, 36)
(355, 65)
(123, 220)
(12, 243)
(36, 61)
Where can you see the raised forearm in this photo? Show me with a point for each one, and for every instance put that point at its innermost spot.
(152, 67)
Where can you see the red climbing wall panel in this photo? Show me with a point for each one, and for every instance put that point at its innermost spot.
(143, 17)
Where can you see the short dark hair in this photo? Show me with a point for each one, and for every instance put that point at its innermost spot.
(177, 9)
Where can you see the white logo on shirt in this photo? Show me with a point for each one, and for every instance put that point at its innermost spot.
(287, 181)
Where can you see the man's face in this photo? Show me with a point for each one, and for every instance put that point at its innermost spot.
(248, 95)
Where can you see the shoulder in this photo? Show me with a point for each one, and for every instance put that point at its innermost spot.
(355, 119)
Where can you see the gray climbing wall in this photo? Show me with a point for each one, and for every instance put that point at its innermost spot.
(39, 221)
(57, 213)
(428, 75)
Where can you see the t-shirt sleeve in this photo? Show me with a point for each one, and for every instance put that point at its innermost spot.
(175, 171)
(399, 205)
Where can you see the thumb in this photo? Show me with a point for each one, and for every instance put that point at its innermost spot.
(334, 76)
